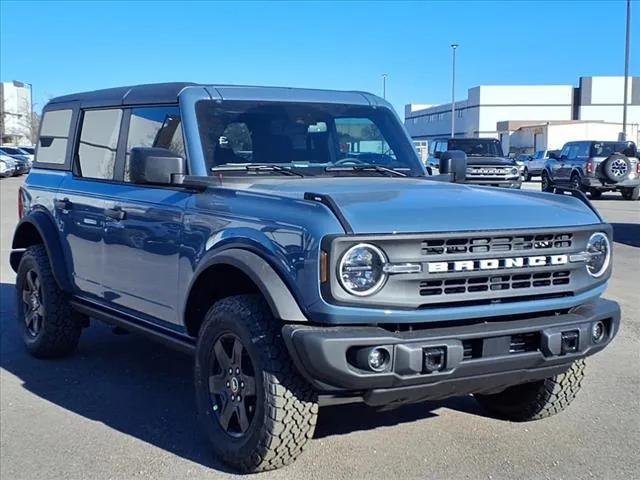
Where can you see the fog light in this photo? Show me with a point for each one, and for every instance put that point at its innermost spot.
(598, 332)
(570, 342)
(378, 359)
(434, 359)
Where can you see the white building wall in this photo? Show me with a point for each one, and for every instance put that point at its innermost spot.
(16, 113)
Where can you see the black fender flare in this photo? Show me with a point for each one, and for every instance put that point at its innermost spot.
(278, 296)
(50, 236)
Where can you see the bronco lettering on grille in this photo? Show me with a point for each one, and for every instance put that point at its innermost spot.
(497, 263)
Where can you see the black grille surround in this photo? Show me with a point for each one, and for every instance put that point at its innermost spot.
(497, 267)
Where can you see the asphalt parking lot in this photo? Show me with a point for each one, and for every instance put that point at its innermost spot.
(123, 407)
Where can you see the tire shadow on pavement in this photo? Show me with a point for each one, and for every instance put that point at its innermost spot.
(145, 390)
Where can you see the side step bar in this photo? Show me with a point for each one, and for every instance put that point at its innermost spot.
(165, 336)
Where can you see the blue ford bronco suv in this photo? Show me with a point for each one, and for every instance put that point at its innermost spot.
(293, 242)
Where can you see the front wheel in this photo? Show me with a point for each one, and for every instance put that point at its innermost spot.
(547, 184)
(526, 175)
(536, 400)
(255, 407)
(629, 193)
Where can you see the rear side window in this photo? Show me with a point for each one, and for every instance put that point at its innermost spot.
(98, 144)
(154, 127)
(54, 136)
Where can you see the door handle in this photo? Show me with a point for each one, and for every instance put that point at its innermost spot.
(64, 204)
(115, 213)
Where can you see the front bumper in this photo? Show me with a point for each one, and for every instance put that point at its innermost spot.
(597, 183)
(512, 182)
(481, 357)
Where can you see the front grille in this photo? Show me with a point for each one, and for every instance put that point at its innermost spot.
(514, 281)
(502, 244)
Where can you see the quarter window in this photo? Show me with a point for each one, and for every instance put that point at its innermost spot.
(54, 135)
(158, 127)
(98, 143)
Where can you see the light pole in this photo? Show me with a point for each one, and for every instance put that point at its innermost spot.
(454, 46)
(384, 86)
(626, 72)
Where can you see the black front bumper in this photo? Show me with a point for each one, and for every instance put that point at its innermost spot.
(482, 357)
(514, 182)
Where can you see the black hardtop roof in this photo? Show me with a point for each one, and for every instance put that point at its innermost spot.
(162, 93)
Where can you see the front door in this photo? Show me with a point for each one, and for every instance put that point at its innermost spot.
(143, 231)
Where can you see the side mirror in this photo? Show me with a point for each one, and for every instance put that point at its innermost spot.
(454, 163)
(155, 166)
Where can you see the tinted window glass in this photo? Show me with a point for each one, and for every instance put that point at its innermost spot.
(98, 142)
(54, 134)
(604, 149)
(477, 148)
(154, 127)
(582, 149)
(361, 136)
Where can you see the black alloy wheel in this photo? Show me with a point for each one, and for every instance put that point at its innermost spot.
(232, 385)
(32, 305)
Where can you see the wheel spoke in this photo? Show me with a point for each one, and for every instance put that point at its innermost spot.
(249, 385)
(221, 356)
(225, 415)
(28, 318)
(243, 420)
(236, 354)
(26, 297)
(37, 323)
(217, 383)
(30, 281)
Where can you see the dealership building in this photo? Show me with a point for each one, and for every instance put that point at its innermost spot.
(533, 117)
(15, 113)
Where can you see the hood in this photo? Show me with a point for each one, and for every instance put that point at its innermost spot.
(413, 205)
(490, 161)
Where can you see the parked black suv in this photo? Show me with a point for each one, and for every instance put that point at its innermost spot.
(595, 167)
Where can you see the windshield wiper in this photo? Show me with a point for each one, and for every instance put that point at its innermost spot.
(258, 168)
(365, 168)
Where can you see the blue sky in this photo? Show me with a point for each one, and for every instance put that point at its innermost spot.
(63, 47)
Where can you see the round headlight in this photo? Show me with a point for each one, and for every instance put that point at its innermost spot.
(599, 252)
(515, 171)
(361, 270)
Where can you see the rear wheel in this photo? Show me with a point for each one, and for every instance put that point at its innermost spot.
(526, 175)
(575, 183)
(44, 314)
(630, 193)
(256, 409)
(547, 184)
(536, 400)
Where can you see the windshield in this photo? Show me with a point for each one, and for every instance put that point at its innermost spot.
(11, 151)
(308, 138)
(477, 147)
(604, 149)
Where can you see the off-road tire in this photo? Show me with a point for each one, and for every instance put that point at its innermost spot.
(547, 184)
(535, 400)
(60, 330)
(286, 405)
(575, 182)
(612, 163)
(629, 193)
(526, 175)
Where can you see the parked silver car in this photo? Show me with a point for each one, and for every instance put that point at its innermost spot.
(534, 165)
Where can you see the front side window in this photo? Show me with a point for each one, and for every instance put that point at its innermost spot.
(96, 156)
(54, 135)
(158, 127)
(310, 139)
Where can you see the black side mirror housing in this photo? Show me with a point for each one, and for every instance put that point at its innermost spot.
(454, 163)
(155, 166)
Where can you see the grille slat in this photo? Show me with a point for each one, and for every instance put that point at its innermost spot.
(516, 243)
(495, 283)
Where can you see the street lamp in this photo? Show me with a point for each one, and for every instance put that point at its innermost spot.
(626, 72)
(454, 46)
(384, 86)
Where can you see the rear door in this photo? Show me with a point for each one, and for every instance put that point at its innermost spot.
(81, 199)
(143, 233)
